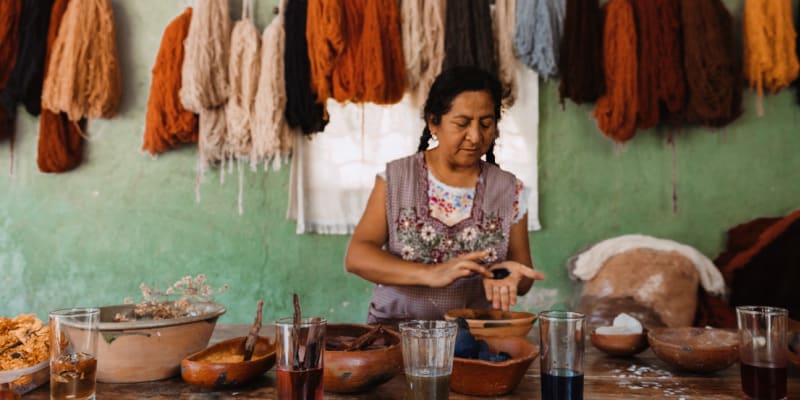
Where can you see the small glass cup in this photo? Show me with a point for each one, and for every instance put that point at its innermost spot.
(73, 353)
(300, 358)
(763, 350)
(562, 335)
(428, 348)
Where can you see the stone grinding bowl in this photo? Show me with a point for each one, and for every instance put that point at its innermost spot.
(360, 370)
(626, 345)
(494, 322)
(701, 350)
(221, 366)
(484, 378)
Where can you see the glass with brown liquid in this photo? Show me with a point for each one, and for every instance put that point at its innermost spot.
(73, 353)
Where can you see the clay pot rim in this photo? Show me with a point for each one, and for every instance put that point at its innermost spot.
(652, 337)
(386, 329)
(192, 358)
(528, 357)
(211, 310)
(645, 332)
(517, 317)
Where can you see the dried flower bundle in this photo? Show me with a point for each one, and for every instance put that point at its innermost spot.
(157, 304)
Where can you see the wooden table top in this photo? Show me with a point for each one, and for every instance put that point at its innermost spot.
(641, 377)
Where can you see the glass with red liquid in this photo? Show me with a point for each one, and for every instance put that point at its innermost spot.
(763, 350)
(299, 358)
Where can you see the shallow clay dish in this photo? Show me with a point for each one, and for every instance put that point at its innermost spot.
(220, 366)
(484, 378)
(620, 345)
(494, 322)
(700, 350)
(360, 370)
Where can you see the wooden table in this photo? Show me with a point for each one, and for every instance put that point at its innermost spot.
(642, 377)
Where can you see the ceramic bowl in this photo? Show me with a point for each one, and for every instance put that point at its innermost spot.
(484, 378)
(9, 395)
(149, 350)
(26, 379)
(701, 350)
(494, 322)
(221, 366)
(620, 345)
(360, 370)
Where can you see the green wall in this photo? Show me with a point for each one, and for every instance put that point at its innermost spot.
(90, 236)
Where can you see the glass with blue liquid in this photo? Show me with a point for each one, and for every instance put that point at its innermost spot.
(561, 339)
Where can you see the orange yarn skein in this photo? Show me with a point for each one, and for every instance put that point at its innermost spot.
(616, 109)
(167, 123)
(769, 44)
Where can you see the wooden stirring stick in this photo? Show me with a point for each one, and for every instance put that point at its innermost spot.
(252, 338)
(365, 338)
(296, 332)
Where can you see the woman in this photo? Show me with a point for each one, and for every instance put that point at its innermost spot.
(438, 222)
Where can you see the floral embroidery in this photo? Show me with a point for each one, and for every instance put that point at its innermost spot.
(425, 243)
(449, 204)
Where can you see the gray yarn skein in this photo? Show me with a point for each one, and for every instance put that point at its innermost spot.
(539, 26)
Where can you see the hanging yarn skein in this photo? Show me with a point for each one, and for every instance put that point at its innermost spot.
(243, 74)
(468, 39)
(581, 53)
(616, 109)
(205, 66)
(10, 13)
(204, 80)
(769, 39)
(661, 78)
(60, 147)
(423, 30)
(365, 54)
(25, 81)
(302, 111)
(167, 123)
(272, 137)
(88, 82)
(712, 73)
(504, 42)
(540, 24)
(326, 43)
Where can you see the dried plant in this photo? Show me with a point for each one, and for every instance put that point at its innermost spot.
(157, 304)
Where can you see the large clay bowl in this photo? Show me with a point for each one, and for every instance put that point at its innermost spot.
(360, 370)
(221, 366)
(701, 350)
(620, 345)
(484, 378)
(494, 322)
(149, 350)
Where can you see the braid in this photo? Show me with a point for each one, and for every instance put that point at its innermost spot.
(490, 154)
(424, 139)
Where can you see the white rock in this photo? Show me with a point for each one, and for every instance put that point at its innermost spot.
(623, 324)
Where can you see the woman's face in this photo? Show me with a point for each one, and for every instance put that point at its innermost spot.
(468, 129)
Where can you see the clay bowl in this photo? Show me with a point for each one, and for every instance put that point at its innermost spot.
(620, 345)
(220, 366)
(360, 370)
(149, 350)
(494, 322)
(701, 350)
(484, 378)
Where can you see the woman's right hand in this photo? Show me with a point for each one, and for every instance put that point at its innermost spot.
(443, 274)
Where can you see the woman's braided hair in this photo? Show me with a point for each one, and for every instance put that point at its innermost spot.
(450, 84)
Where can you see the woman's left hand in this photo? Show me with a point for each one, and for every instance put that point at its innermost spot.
(503, 292)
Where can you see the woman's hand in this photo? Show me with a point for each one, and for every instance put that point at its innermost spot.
(445, 273)
(503, 292)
